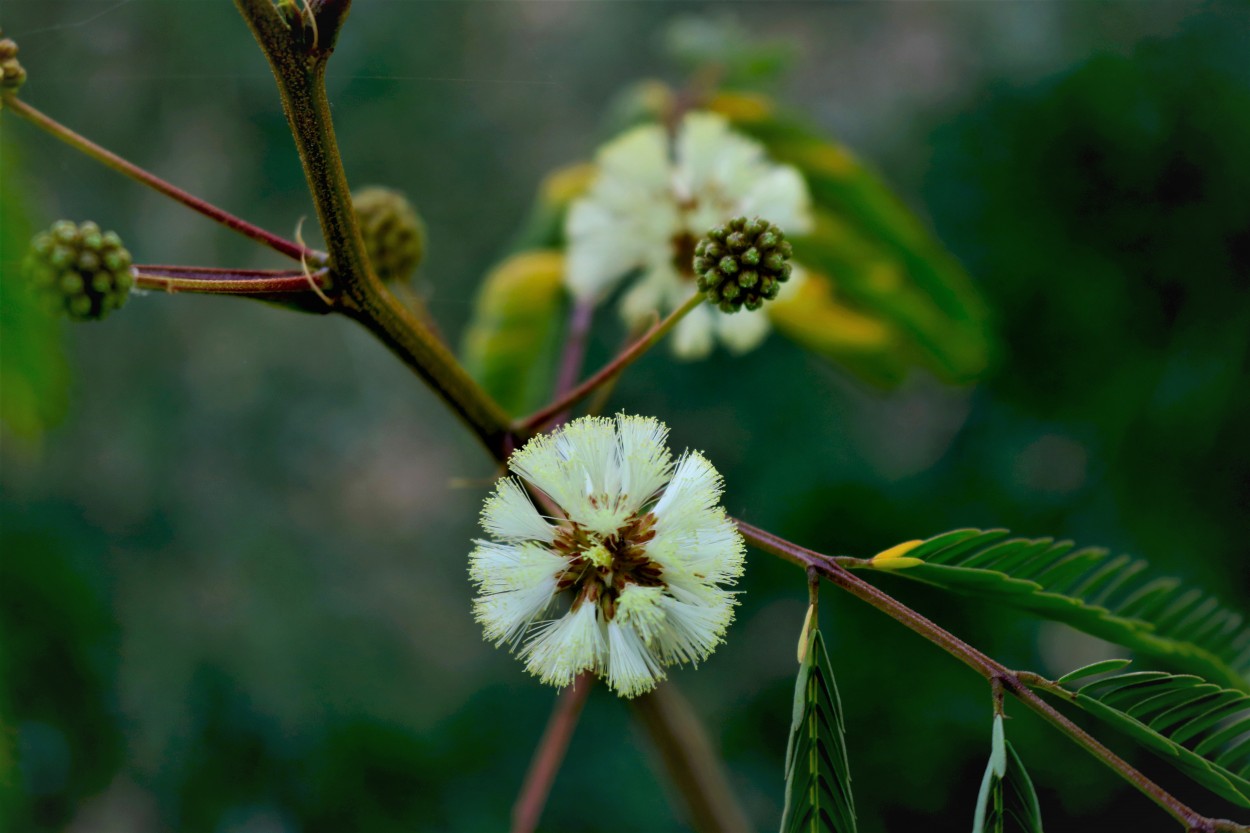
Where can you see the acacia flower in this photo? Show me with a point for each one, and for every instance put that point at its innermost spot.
(628, 579)
(653, 198)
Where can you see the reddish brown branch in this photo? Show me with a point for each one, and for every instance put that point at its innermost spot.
(117, 163)
(549, 754)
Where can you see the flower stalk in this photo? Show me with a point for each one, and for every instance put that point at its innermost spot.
(611, 370)
(691, 762)
(549, 755)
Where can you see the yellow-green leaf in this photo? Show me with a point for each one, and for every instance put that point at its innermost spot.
(815, 317)
(33, 366)
(511, 341)
(872, 245)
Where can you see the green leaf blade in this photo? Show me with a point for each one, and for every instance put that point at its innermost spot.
(818, 777)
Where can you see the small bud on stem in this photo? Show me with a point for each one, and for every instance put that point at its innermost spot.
(392, 231)
(12, 76)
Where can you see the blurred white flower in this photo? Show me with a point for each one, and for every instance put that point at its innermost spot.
(630, 579)
(652, 200)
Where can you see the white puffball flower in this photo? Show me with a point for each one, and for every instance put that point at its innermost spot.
(653, 198)
(630, 578)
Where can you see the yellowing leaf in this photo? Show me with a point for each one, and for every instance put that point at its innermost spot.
(818, 320)
(566, 184)
(510, 344)
(740, 106)
(895, 552)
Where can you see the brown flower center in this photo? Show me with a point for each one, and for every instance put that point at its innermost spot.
(600, 567)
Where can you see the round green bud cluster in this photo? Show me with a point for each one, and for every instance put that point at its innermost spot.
(80, 271)
(12, 75)
(742, 263)
(393, 232)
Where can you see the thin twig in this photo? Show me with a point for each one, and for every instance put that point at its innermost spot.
(549, 754)
(984, 665)
(611, 370)
(580, 316)
(79, 142)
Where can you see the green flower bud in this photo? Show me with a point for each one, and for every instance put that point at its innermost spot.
(78, 271)
(393, 232)
(742, 263)
(12, 76)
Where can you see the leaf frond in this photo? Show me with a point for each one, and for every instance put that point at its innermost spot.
(1113, 597)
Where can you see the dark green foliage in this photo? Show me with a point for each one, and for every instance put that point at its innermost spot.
(60, 740)
(1200, 728)
(818, 776)
(1111, 597)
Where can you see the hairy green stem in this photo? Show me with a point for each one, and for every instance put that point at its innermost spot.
(998, 674)
(300, 74)
(81, 143)
(611, 370)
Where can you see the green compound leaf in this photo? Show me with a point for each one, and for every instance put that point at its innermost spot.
(1112, 597)
(818, 775)
(1200, 728)
(1007, 802)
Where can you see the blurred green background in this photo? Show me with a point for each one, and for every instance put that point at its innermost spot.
(233, 588)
